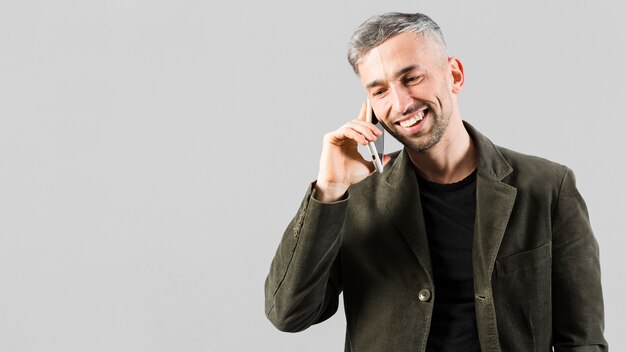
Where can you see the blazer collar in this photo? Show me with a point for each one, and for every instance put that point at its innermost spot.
(491, 163)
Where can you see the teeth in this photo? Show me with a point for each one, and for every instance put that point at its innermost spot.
(413, 120)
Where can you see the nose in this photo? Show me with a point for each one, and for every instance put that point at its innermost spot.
(401, 100)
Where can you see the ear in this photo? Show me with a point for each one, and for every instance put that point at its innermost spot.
(458, 76)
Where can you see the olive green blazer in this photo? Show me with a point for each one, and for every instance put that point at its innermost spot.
(535, 260)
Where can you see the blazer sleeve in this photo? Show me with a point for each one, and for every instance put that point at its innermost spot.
(577, 304)
(304, 281)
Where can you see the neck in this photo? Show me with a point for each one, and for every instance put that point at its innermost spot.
(450, 160)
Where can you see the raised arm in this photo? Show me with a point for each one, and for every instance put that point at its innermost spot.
(304, 281)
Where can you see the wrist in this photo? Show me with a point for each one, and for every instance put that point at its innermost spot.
(328, 192)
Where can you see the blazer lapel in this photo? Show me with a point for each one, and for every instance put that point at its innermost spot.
(494, 203)
(404, 207)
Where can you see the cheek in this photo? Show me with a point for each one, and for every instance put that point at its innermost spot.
(423, 91)
(434, 92)
(382, 109)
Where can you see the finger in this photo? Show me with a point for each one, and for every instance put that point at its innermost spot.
(386, 159)
(344, 133)
(371, 126)
(362, 114)
(368, 111)
(366, 128)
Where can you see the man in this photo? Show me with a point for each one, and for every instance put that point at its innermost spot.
(459, 245)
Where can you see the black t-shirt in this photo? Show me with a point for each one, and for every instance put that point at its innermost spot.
(449, 212)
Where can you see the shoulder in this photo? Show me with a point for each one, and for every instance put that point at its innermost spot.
(533, 173)
(514, 166)
(531, 164)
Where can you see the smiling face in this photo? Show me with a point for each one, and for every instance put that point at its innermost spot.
(412, 86)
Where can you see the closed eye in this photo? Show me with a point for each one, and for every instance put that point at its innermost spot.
(412, 80)
(379, 93)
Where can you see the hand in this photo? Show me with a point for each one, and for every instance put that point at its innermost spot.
(341, 164)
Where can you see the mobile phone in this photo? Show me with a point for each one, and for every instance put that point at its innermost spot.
(376, 148)
(380, 142)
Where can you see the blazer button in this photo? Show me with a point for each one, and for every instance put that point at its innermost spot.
(424, 295)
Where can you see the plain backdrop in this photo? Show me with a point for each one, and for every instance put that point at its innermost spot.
(152, 152)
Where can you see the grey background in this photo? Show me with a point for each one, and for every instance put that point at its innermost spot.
(152, 152)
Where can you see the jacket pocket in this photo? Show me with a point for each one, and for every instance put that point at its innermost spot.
(526, 260)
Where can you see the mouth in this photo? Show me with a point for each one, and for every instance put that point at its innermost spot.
(414, 119)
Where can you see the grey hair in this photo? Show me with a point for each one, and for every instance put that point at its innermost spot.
(378, 29)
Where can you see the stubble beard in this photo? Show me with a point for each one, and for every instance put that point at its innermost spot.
(422, 143)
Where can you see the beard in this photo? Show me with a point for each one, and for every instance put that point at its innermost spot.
(421, 141)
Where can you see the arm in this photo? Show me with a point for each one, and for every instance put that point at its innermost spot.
(304, 281)
(577, 304)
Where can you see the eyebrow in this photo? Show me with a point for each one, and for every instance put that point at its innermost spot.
(398, 74)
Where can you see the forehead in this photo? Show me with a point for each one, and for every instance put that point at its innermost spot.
(397, 53)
